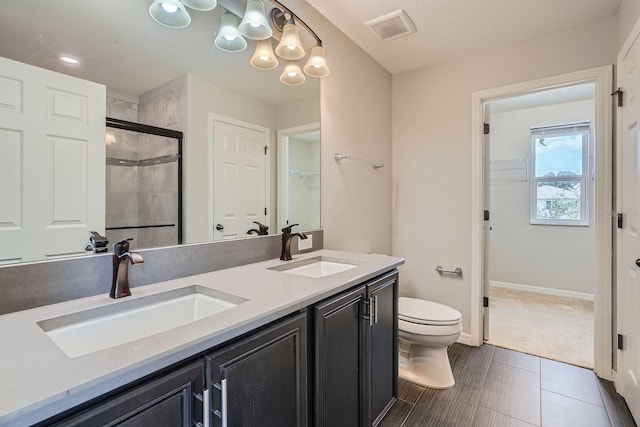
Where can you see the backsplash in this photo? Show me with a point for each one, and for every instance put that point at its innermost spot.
(26, 286)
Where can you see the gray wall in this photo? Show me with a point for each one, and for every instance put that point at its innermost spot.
(37, 284)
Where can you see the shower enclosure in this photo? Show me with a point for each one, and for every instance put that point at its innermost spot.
(143, 184)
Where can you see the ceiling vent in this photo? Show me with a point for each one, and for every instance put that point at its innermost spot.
(392, 25)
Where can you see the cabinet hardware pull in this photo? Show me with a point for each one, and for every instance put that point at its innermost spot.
(375, 303)
(371, 313)
(223, 384)
(206, 416)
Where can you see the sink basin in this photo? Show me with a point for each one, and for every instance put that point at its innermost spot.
(317, 267)
(100, 328)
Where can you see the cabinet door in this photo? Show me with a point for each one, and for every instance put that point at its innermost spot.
(383, 347)
(261, 380)
(339, 360)
(171, 400)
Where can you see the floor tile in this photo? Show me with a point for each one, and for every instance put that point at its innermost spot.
(616, 407)
(517, 359)
(571, 381)
(396, 416)
(408, 391)
(470, 364)
(453, 407)
(561, 411)
(512, 391)
(488, 418)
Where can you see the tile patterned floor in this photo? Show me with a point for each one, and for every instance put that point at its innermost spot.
(496, 387)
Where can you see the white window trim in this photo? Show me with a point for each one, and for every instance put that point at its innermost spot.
(563, 130)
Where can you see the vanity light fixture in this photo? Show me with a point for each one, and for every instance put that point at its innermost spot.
(290, 46)
(170, 13)
(254, 25)
(264, 58)
(229, 38)
(317, 66)
(202, 5)
(292, 74)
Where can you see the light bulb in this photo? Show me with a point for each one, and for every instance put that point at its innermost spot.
(254, 24)
(169, 8)
(264, 58)
(292, 74)
(230, 38)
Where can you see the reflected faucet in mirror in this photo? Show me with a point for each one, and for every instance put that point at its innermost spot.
(121, 259)
(97, 243)
(262, 229)
(287, 235)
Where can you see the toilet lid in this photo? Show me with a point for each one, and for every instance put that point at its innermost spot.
(426, 312)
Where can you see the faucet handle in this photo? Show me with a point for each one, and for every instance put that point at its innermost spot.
(287, 229)
(263, 229)
(97, 243)
(122, 246)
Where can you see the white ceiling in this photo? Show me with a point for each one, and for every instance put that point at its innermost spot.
(122, 47)
(448, 29)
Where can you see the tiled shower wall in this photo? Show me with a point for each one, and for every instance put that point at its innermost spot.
(140, 195)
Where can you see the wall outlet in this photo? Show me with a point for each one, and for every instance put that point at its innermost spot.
(304, 244)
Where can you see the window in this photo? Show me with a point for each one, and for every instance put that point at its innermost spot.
(560, 186)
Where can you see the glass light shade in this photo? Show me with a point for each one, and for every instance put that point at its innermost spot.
(254, 25)
(263, 58)
(317, 66)
(292, 74)
(170, 13)
(290, 47)
(229, 38)
(200, 4)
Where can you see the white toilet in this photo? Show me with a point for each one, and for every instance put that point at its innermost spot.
(425, 330)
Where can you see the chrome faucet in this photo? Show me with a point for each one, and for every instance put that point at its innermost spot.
(287, 235)
(121, 259)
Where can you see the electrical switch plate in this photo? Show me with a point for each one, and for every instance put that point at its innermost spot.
(304, 244)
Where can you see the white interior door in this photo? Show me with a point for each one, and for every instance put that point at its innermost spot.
(52, 162)
(239, 180)
(628, 284)
(486, 153)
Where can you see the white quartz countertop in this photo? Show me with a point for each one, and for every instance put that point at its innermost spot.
(38, 380)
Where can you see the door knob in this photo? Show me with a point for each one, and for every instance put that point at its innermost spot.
(219, 227)
(638, 262)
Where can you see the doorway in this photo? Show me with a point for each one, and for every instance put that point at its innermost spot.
(601, 217)
(540, 252)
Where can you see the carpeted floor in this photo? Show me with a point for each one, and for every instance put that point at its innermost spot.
(548, 326)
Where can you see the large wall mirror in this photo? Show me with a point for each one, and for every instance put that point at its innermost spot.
(174, 79)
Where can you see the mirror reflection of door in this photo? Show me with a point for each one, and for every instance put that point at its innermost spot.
(299, 177)
(239, 179)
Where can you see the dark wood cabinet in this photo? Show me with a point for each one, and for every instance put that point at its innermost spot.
(355, 351)
(340, 327)
(261, 380)
(383, 348)
(266, 378)
(172, 400)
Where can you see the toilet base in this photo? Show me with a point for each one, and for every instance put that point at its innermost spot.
(427, 366)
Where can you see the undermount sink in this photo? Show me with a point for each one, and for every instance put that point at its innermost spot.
(88, 331)
(317, 267)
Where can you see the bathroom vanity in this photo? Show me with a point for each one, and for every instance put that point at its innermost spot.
(306, 342)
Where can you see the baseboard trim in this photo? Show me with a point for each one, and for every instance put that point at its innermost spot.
(464, 338)
(547, 291)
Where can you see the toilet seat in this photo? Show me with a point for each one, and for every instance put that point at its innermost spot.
(428, 330)
(428, 313)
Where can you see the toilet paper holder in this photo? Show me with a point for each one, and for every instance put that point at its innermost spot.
(441, 270)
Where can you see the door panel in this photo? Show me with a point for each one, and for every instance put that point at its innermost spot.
(340, 359)
(52, 130)
(383, 369)
(239, 176)
(628, 284)
(265, 382)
